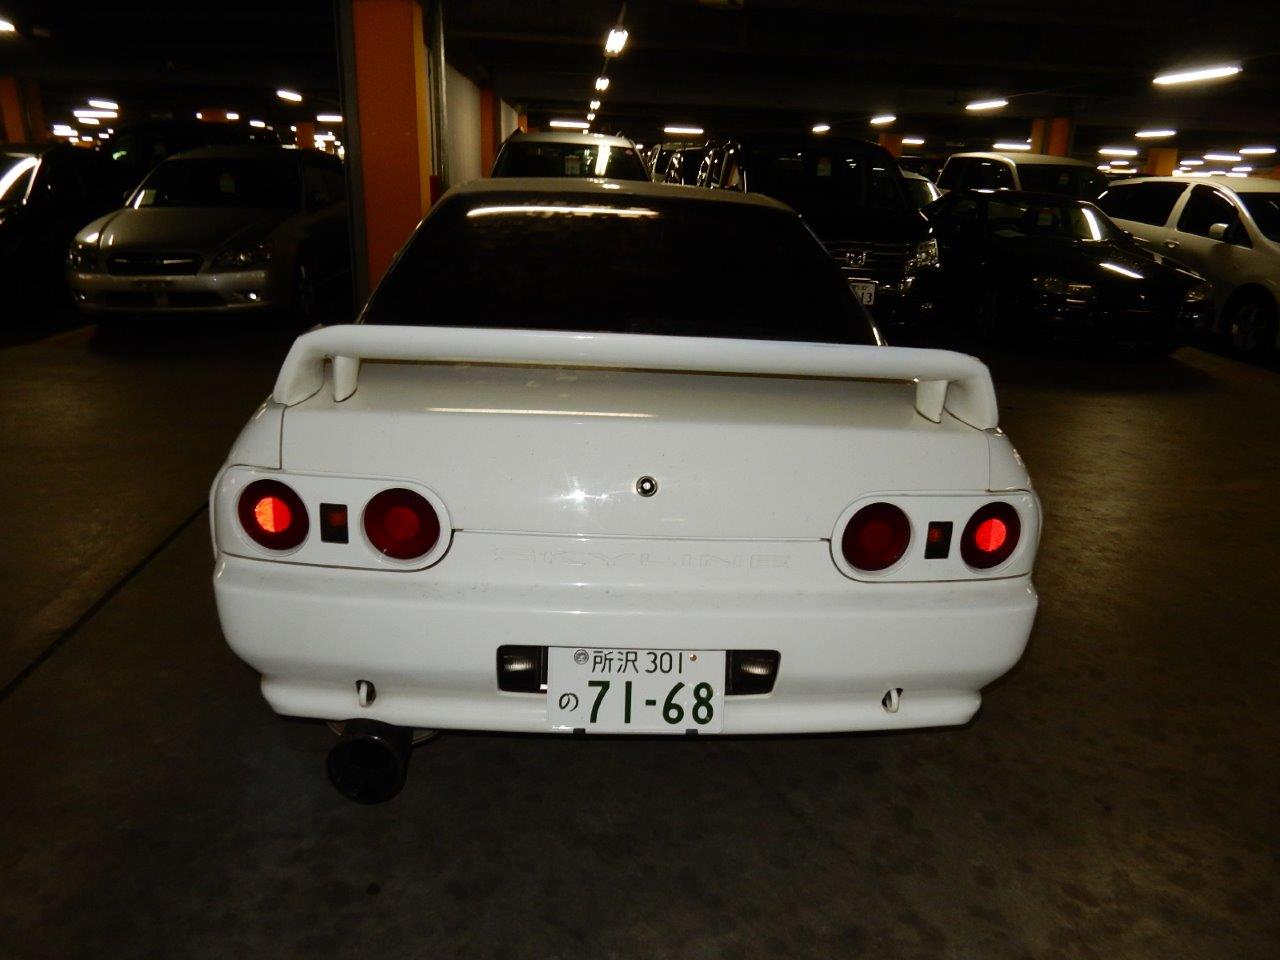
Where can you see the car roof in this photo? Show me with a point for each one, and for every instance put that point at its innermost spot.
(611, 189)
(1237, 184)
(912, 175)
(1016, 158)
(1034, 196)
(228, 150)
(570, 136)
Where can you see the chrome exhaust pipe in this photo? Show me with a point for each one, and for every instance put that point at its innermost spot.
(369, 762)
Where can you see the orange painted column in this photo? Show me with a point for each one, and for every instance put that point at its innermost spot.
(1039, 131)
(390, 73)
(305, 136)
(892, 142)
(488, 129)
(21, 112)
(1061, 131)
(1161, 161)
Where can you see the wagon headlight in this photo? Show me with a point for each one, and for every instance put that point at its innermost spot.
(1199, 293)
(242, 258)
(926, 255)
(85, 255)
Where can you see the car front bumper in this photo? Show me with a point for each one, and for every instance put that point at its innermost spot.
(428, 639)
(238, 291)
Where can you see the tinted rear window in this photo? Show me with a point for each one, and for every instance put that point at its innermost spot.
(820, 183)
(1149, 202)
(540, 158)
(635, 265)
(1068, 180)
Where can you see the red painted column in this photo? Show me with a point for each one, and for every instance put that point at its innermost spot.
(394, 127)
(21, 112)
(488, 129)
(892, 142)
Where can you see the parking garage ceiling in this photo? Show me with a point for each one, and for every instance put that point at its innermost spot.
(725, 65)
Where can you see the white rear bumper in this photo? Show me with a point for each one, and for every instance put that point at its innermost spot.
(428, 639)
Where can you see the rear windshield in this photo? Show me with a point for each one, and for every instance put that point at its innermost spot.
(679, 267)
(821, 183)
(540, 158)
(1065, 179)
(218, 182)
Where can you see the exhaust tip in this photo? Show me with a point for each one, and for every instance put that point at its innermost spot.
(370, 762)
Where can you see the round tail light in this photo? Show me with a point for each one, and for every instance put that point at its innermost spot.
(401, 524)
(876, 537)
(273, 515)
(990, 536)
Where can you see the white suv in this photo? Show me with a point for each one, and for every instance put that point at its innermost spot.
(1227, 230)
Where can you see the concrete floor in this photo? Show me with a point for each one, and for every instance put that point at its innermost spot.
(1116, 797)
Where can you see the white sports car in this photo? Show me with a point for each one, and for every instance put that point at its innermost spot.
(611, 457)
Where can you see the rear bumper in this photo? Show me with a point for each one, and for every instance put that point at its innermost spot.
(428, 639)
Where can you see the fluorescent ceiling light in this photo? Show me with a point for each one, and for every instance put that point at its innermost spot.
(64, 130)
(1193, 76)
(821, 127)
(1123, 271)
(1155, 134)
(328, 118)
(291, 95)
(986, 104)
(594, 105)
(1234, 174)
(104, 104)
(1124, 170)
(232, 115)
(1257, 151)
(1224, 157)
(1105, 167)
(883, 119)
(91, 121)
(1191, 163)
(257, 123)
(199, 115)
(616, 40)
(913, 141)
(104, 135)
(96, 114)
(7, 27)
(602, 84)
(685, 131)
(1118, 152)
(1010, 145)
(569, 124)
(590, 117)
(1245, 169)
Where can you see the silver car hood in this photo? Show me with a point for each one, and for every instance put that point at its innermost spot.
(203, 230)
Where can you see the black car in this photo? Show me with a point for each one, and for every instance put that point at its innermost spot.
(48, 191)
(1040, 264)
(851, 194)
(682, 164)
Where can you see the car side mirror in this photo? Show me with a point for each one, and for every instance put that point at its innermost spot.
(1218, 231)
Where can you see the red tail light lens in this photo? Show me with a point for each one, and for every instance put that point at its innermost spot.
(273, 515)
(876, 537)
(990, 536)
(401, 524)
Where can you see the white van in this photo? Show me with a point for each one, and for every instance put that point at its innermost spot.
(1228, 230)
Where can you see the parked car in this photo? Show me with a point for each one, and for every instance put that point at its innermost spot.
(48, 191)
(920, 189)
(139, 146)
(852, 195)
(545, 508)
(1035, 264)
(1035, 172)
(558, 154)
(1226, 229)
(229, 229)
(684, 164)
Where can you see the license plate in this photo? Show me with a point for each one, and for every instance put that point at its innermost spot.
(600, 690)
(866, 292)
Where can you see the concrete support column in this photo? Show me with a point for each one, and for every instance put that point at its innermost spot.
(1052, 135)
(21, 111)
(892, 142)
(388, 141)
(1161, 161)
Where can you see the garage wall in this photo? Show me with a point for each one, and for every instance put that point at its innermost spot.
(462, 100)
(508, 120)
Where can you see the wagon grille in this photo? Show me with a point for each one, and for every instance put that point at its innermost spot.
(152, 264)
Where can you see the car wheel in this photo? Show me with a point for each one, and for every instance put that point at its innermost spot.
(304, 292)
(1251, 325)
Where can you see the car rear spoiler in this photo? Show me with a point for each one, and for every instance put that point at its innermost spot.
(954, 382)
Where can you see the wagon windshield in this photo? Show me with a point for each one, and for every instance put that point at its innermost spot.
(634, 264)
